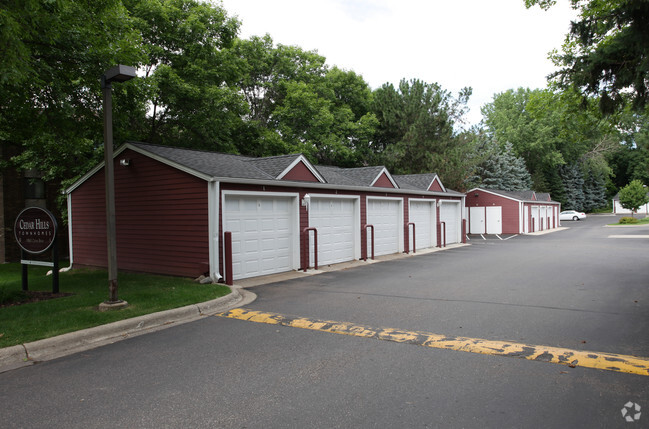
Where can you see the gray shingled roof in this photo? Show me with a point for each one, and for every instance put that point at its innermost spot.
(274, 165)
(365, 176)
(335, 176)
(209, 163)
(519, 195)
(420, 182)
(223, 165)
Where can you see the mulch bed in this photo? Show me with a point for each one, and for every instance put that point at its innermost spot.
(35, 296)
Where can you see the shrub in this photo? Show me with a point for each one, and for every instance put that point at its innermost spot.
(627, 220)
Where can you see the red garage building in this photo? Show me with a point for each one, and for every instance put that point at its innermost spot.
(173, 207)
(491, 211)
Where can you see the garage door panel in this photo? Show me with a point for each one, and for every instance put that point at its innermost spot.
(385, 216)
(335, 220)
(450, 214)
(422, 214)
(477, 220)
(494, 220)
(262, 234)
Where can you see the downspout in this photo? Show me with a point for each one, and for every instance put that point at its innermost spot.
(69, 267)
(213, 230)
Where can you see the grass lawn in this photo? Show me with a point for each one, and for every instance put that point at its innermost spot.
(33, 321)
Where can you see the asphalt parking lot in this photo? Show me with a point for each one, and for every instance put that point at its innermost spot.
(583, 289)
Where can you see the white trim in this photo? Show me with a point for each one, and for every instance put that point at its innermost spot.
(400, 248)
(70, 228)
(459, 226)
(357, 217)
(166, 161)
(439, 181)
(388, 175)
(306, 163)
(139, 150)
(433, 240)
(511, 198)
(213, 228)
(294, 196)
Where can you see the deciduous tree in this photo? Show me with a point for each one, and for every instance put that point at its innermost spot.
(606, 51)
(633, 196)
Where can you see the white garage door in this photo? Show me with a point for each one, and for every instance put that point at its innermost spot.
(477, 220)
(450, 213)
(536, 218)
(386, 217)
(422, 213)
(494, 220)
(334, 219)
(263, 234)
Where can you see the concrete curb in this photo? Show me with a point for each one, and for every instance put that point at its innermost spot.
(51, 348)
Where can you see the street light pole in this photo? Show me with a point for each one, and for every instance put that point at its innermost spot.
(118, 73)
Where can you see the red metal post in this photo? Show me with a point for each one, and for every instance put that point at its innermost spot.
(227, 249)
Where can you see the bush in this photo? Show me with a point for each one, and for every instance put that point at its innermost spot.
(627, 220)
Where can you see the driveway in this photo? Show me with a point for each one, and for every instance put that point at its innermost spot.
(580, 289)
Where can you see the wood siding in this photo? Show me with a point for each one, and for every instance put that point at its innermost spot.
(510, 209)
(300, 172)
(435, 186)
(161, 219)
(383, 182)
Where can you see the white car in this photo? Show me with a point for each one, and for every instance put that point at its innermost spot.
(571, 215)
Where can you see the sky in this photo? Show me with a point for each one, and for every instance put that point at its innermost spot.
(489, 45)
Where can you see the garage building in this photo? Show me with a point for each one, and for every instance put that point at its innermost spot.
(174, 205)
(491, 211)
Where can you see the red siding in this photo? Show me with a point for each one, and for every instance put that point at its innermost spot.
(161, 219)
(436, 186)
(300, 172)
(383, 182)
(510, 209)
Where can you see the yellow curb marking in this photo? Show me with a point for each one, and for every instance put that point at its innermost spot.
(607, 361)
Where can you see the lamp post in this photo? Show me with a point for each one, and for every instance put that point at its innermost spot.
(118, 73)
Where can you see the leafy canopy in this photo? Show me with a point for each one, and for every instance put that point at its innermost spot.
(606, 52)
(633, 196)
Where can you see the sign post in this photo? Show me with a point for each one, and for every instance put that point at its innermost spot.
(35, 231)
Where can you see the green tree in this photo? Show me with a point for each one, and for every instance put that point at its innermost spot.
(53, 56)
(416, 133)
(187, 83)
(633, 196)
(573, 185)
(504, 171)
(298, 104)
(605, 53)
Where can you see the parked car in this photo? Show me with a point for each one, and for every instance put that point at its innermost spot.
(571, 215)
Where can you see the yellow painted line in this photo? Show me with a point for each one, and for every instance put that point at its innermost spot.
(573, 358)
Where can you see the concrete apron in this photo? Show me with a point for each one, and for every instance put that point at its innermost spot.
(74, 342)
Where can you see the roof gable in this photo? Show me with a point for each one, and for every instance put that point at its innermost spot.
(512, 195)
(436, 185)
(301, 169)
(383, 181)
(288, 167)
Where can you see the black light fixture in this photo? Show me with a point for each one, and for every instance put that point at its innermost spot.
(119, 73)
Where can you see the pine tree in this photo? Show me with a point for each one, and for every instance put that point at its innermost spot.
(594, 191)
(504, 171)
(573, 185)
